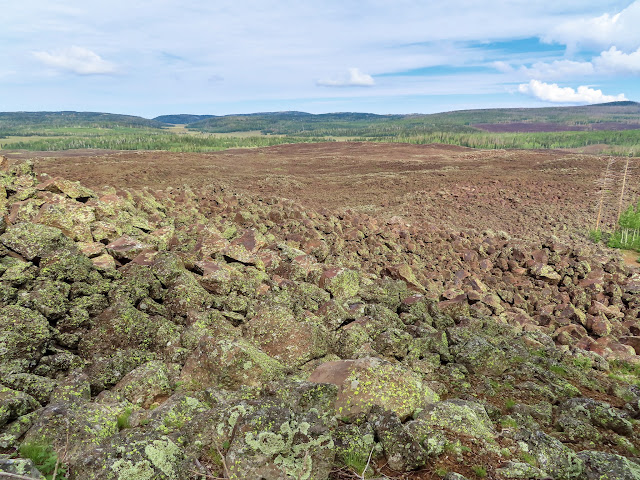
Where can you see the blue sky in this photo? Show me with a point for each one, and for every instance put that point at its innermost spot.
(218, 57)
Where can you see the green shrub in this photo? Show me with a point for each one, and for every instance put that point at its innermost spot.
(45, 458)
(628, 235)
(595, 236)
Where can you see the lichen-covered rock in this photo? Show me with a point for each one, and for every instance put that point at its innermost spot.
(74, 428)
(274, 443)
(37, 386)
(50, 298)
(579, 416)
(22, 467)
(173, 414)
(71, 217)
(209, 323)
(608, 466)
(279, 334)
(402, 451)
(14, 404)
(126, 327)
(521, 471)
(479, 356)
(141, 386)
(369, 382)
(71, 189)
(107, 370)
(459, 416)
(340, 282)
(134, 455)
(126, 248)
(228, 364)
(550, 455)
(185, 293)
(32, 240)
(24, 335)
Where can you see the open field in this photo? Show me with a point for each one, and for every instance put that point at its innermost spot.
(520, 192)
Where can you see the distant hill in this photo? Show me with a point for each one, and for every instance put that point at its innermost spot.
(10, 121)
(284, 123)
(607, 116)
(181, 119)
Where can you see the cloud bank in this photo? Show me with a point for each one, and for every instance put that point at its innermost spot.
(79, 60)
(356, 78)
(601, 32)
(551, 92)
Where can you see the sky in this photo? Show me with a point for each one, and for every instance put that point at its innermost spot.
(220, 57)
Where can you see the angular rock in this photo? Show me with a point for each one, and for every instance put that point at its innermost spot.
(340, 282)
(35, 241)
(126, 248)
(369, 382)
(608, 466)
(24, 335)
(14, 404)
(459, 416)
(277, 332)
(228, 364)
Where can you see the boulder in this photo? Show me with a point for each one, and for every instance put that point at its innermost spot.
(340, 282)
(608, 466)
(460, 417)
(14, 404)
(369, 382)
(135, 455)
(272, 443)
(277, 332)
(230, 364)
(24, 335)
(34, 241)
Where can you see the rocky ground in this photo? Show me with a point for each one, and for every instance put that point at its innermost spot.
(219, 330)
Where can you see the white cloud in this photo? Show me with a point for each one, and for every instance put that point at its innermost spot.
(558, 69)
(551, 92)
(620, 29)
(610, 62)
(615, 61)
(77, 60)
(503, 67)
(356, 78)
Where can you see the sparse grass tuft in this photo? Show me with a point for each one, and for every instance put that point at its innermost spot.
(45, 458)
(123, 419)
(479, 471)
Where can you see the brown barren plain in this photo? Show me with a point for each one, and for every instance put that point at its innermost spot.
(524, 193)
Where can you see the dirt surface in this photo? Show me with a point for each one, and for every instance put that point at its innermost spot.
(520, 192)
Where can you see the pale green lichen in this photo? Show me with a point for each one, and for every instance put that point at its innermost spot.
(164, 455)
(127, 470)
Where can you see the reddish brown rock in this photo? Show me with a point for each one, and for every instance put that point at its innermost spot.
(104, 262)
(599, 325)
(569, 334)
(216, 277)
(126, 248)
(633, 342)
(91, 249)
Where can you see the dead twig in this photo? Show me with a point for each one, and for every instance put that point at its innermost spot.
(624, 182)
(14, 475)
(224, 463)
(368, 462)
